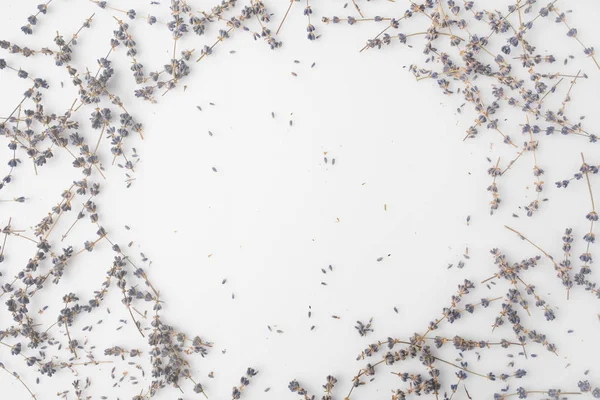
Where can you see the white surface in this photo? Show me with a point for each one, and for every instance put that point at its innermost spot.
(274, 213)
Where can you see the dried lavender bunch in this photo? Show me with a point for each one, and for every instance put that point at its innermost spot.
(169, 349)
(564, 267)
(58, 129)
(515, 299)
(425, 349)
(457, 40)
(183, 21)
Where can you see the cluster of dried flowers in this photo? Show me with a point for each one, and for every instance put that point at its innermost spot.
(456, 57)
(463, 44)
(33, 133)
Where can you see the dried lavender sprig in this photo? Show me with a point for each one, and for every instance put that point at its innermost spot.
(572, 32)
(310, 28)
(244, 382)
(494, 172)
(554, 394)
(207, 50)
(417, 343)
(328, 386)
(352, 20)
(131, 14)
(33, 19)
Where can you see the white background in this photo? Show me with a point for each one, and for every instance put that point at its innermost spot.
(275, 213)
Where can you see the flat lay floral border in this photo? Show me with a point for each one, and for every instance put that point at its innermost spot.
(488, 58)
